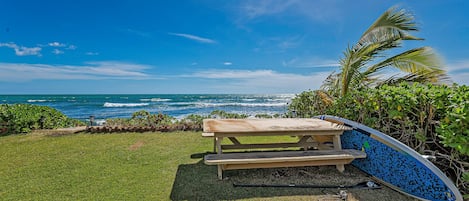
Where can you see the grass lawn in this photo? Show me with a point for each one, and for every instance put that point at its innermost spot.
(149, 166)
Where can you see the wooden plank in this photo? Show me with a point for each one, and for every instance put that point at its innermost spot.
(279, 133)
(285, 164)
(208, 134)
(284, 156)
(270, 125)
(266, 146)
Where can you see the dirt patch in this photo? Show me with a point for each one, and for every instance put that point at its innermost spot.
(136, 146)
(322, 175)
(59, 132)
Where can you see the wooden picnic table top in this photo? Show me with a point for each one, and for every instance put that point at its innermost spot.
(270, 125)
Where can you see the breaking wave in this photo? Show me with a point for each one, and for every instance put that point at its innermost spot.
(36, 101)
(106, 104)
(202, 104)
(155, 99)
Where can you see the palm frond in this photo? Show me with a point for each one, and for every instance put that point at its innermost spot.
(331, 84)
(351, 64)
(393, 24)
(416, 77)
(325, 98)
(387, 32)
(421, 60)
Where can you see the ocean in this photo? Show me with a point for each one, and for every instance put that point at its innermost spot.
(176, 105)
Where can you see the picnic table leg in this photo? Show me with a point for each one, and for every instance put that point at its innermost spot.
(338, 146)
(218, 144)
(219, 151)
(214, 144)
(220, 172)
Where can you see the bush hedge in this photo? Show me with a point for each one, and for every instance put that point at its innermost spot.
(22, 118)
(143, 121)
(433, 120)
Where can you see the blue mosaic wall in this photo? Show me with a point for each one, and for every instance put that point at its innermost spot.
(399, 169)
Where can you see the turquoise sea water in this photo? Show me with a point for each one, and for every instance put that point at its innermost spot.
(177, 105)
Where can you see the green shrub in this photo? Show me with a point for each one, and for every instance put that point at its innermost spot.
(433, 120)
(195, 119)
(226, 115)
(23, 118)
(307, 104)
(454, 128)
(142, 118)
(265, 116)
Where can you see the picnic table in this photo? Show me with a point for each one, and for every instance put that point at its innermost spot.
(321, 136)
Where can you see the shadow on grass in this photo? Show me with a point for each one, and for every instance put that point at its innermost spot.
(200, 182)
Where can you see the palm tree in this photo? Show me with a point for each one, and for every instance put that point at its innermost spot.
(362, 64)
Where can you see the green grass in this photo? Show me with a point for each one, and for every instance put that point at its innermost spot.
(148, 166)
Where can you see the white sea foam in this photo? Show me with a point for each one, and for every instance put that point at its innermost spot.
(241, 104)
(106, 104)
(160, 99)
(155, 99)
(205, 104)
(100, 122)
(249, 99)
(278, 99)
(35, 101)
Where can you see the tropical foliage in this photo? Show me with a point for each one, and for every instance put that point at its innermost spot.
(144, 121)
(454, 127)
(432, 119)
(367, 60)
(22, 118)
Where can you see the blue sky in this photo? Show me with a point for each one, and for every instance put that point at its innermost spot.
(258, 46)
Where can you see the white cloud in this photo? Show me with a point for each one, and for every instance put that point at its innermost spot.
(233, 74)
(227, 63)
(56, 44)
(257, 8)
(60, 45)
(312, 62)
(71, 47)
(138, 32)
(459, 71)
(194, 37)
(458, 65)
(57, 51)
(460, 78)
(262, 81)
(318, 10)
(25, 51)
(10, 45)
(91, 70)
(290, 42)
(21, 50)
(92, 53)
(278, 44)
